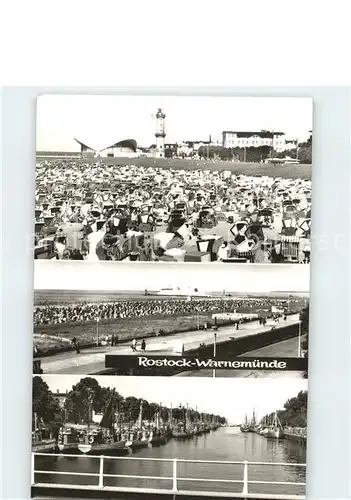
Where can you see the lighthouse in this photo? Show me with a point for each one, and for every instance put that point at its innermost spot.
(160, 134)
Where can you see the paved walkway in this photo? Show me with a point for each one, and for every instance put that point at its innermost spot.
(93, 360)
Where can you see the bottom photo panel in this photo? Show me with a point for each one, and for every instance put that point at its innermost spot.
(160, 437)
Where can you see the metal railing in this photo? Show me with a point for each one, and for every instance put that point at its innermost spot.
(174, 479)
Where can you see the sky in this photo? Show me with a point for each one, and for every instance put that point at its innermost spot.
(99, 121)
(258, 278)
(229, 398)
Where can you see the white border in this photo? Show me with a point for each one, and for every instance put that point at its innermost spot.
(329, 376)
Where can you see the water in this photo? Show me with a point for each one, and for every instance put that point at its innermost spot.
(225, 444)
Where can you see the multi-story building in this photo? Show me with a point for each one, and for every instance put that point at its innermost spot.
(238, 139)
(171, 150)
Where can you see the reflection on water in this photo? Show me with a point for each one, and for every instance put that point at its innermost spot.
(226, 444)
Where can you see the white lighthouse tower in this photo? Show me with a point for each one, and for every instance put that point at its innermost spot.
(160, 134)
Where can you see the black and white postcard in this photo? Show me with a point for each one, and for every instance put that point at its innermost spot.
(154, 376)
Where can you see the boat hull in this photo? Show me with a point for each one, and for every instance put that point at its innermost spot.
(181, 435)
(68, 448)
(137, 444)
(157, 440)
(275, 434)
(44, 447)
(117, 448)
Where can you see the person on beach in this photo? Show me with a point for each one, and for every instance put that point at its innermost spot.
(134, 345)
(143, 345)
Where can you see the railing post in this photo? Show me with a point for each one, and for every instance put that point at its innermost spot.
(32, 469)
(101, 472)
(245, 479)
(175, 485)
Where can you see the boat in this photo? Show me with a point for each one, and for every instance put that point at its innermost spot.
(214, 425)
(138, 437)
(68, 439)
(103, 439)
(42, 441)
(158, 432)
(44, 445)
(157, 437)
(245, 427)
(275, 431)
(183, 430)
(179, 432)
(263, 427)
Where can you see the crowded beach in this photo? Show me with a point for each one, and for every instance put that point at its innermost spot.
(97, 211)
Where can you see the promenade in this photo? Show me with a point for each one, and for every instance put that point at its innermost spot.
(92, 360)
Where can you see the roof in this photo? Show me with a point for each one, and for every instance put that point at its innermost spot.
(264, 134)
(83, 146)
(126, 143)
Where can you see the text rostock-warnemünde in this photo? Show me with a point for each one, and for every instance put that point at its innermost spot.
(210, 363)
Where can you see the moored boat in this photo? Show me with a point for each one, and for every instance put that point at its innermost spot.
(275, 431)
(44, 446)
(42, 441)
(245, 427)
(138, 437)
(68, 439)
(183, 428)
(157, 437)
(98, 444)
(103, 439)
(158, 431)
(181, 433)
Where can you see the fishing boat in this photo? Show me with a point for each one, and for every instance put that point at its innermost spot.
(245, 427)
(138, 437)
(198, 431)
(275, 431)
(103, 439)
(42, 442)
(183, 430)
(263, 428)
(157, 437)
(68, 438)
(214, 425)
(158, 432)
(198, 427)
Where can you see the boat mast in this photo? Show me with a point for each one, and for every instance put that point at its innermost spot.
(140, 419)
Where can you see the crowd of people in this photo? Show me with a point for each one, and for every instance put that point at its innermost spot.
(110, 212)
(72, 313)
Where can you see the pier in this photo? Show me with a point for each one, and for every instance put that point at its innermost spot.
(174, 484)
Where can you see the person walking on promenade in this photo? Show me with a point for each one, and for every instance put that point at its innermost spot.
(134, 345)
(143, 345)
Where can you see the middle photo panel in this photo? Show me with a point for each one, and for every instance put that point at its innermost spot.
(245, 321)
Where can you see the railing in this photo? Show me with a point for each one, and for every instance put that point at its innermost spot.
(174, 479)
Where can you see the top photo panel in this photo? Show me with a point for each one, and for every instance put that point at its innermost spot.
(173, 179)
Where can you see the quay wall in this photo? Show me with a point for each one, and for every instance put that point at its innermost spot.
(236, 347)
